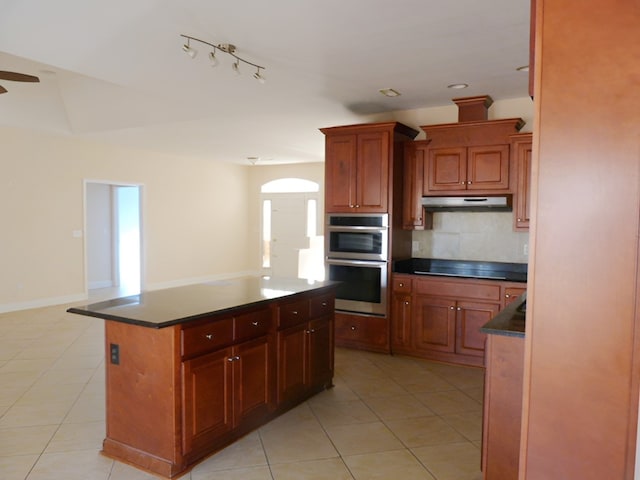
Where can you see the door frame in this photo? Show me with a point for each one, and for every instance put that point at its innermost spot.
(115, 255)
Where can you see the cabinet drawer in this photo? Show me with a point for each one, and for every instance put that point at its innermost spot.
(207, 337)
(481, 290)
(361, 330)
(401, 284)
(293, 313)
(252, 325)
(321, 305)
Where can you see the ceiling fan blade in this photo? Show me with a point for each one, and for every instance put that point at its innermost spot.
(2, 89)
(18, 77)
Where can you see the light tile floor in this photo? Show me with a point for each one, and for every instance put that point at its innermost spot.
(388, 417)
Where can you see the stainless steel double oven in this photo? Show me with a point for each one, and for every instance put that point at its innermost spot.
(356, 251)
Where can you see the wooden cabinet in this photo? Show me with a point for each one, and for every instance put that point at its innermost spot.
(440, 318)
(460, 169)
(511, 293)
(362, 331)
(502, 407)
(359, 160)
(471, 157)
(521, 148)
(178, 393)
(401, 311)
(305, 348)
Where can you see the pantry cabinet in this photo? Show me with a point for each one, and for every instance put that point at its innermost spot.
(359, 166)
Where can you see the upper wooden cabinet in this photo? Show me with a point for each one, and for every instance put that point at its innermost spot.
(359, 166)
(457, 169)
(521, 150)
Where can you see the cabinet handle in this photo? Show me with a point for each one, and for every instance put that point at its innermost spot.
(310, 331)
(209, 336)
(255, 324)
(233, 359)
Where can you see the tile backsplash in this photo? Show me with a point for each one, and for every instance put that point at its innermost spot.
(487, 236)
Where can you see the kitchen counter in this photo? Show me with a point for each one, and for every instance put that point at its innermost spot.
(510, 321)
(512, 272)
(171, 306)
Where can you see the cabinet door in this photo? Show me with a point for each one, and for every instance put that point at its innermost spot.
(340, 173)
(434, 326)
(415, 154)
(251, 377)
(292, 350)
(207, 391)
(401, 321)
(488, 168)
(523, 193)
(372, 172)
(446, 170)
(320, 360)
(471, 316)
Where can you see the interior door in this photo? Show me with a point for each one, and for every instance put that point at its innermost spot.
(288, 233)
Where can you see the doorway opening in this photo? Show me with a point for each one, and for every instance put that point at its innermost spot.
(292, 244)
(113, 239)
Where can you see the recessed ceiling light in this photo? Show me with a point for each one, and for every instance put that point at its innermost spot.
(523, 68)
(458, 86)
(389, 92)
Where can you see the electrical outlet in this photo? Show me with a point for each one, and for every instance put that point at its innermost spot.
(114, 350)
(525, 249)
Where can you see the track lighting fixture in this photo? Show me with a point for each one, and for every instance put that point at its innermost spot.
(226, 48)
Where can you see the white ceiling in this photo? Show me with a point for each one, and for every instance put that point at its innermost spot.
(114, 70)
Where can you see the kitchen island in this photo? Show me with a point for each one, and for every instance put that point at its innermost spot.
(191, 369)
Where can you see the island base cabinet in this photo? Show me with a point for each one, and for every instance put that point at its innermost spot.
(179, 393)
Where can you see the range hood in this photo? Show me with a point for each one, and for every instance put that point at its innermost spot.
(468, 204)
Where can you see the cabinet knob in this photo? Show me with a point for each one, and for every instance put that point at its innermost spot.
(519, 219)
(209, 336)
(401, 284)
(310, 331)
(506, 295)
(452, 308)
(357, 206)
(294, 312)
(255, 324)
(469, 182)
(459, 308)
(324, 304)
(406, 303)
(233, 359)
(353, 327)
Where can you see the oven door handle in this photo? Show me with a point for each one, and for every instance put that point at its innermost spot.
(364, 263)
(354, 228)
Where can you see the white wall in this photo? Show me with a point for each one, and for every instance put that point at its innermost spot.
(194, 215)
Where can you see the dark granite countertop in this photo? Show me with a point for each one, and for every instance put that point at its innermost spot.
(170, 306)
(513, 272)
(510, 321)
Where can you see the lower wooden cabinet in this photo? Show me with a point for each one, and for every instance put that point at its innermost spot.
(440, 318)
(362, 331)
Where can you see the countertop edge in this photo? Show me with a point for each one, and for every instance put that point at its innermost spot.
(508, 322)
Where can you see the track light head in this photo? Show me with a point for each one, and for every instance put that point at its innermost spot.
(236, 67)
(213, 61)
(186, 48)
(259, 77)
